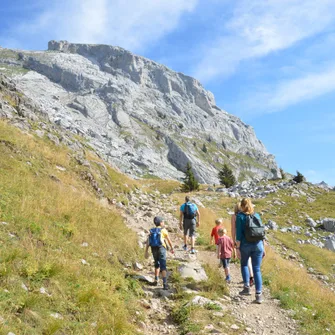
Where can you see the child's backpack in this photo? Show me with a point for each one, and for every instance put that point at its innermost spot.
(254, 229)
(155, 237)
(190, 211)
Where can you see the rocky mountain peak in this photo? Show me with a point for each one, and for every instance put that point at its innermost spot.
(139, 115)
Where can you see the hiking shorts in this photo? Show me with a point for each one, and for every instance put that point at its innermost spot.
(225, 262)
(159, 254)
(189, 226)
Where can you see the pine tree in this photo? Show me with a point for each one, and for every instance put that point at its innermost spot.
(299, 178)
(226, 176)
(282, 173)
(190, 183)
(204, 148)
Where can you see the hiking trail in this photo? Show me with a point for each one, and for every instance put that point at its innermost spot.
(250, 318)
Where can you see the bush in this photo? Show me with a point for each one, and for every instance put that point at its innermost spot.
(226, 176)
(204, 148)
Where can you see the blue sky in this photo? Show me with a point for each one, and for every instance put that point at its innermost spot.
(270, 62)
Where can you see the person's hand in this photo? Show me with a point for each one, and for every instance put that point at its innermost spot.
(238, 253)
(180, 226)
(198, 224)
(264, 253)
(172, 251)
(146, 255)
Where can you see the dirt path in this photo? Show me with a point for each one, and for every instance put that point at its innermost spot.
(267, 318)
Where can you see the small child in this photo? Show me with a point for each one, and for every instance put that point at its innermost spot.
(214, 233)
(225, 249)
(156, 240)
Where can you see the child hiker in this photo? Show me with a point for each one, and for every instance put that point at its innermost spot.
(214, 233)
(156, 240)
(225, 249)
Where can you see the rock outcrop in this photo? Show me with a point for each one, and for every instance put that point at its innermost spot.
(139, 115)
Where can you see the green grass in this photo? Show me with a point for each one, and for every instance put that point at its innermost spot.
(47, 221)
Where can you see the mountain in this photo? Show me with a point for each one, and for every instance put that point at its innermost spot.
(137, 114)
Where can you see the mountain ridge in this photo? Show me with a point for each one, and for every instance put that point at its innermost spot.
(139, 115)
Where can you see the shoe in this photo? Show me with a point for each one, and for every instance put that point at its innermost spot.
(166, 287)
(245, 291)
(251, 281)
(228, 280)
(259, 298)
(192, 251)
(185, 247)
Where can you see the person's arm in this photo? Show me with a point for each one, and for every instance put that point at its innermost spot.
(181, 215)
(264, 253)
(170, 243)
(238, 235)
(146, 254)
(198, 214)
(212, 237)
(233, 227)
(218, 249)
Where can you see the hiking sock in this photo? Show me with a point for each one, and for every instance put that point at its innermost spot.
(156, 278)
(164, 280)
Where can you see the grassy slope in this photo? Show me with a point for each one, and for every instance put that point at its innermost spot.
(47, 221)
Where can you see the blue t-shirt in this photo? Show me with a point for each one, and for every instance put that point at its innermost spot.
(240, 227)
(194, 206)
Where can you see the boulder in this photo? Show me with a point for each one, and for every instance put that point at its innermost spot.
(329, 224)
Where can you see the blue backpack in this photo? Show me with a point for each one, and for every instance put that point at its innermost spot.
(155, 237)
(190, 210)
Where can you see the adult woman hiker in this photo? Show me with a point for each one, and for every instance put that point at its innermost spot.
(237, 209)
(245, 249)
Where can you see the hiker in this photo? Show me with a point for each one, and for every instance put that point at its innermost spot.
(156, 240)
(237, 209)
(214, 233)
(187, 220)
(224, 251)
(246, 249)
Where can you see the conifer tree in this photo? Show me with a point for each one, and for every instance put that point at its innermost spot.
(226, 176)
(299, 178)
(190, 183)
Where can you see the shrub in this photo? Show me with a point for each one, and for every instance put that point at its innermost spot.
(204, 148)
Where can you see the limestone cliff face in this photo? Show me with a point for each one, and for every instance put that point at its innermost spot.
(138, 114)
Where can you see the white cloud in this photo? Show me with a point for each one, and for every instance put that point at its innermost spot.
(132, 24)
(274, 98)
(258, 28)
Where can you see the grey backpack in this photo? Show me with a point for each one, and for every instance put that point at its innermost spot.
(254, 229)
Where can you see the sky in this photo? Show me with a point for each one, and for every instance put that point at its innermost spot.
(269, 62)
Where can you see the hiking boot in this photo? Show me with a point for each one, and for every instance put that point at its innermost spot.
(185, 247)
(245, 291)
(192, 251)
(259, 298)
(166, 287)
(251, 281)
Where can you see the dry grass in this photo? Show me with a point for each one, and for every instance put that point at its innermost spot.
(41, 246)
(313, 305)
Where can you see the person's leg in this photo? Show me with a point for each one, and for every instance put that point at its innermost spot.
(226, 270)
(192, 225)
(186, 228)
(155, 255)
(245, 254)
(256, 257)
(251, 272)
(162, 264)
